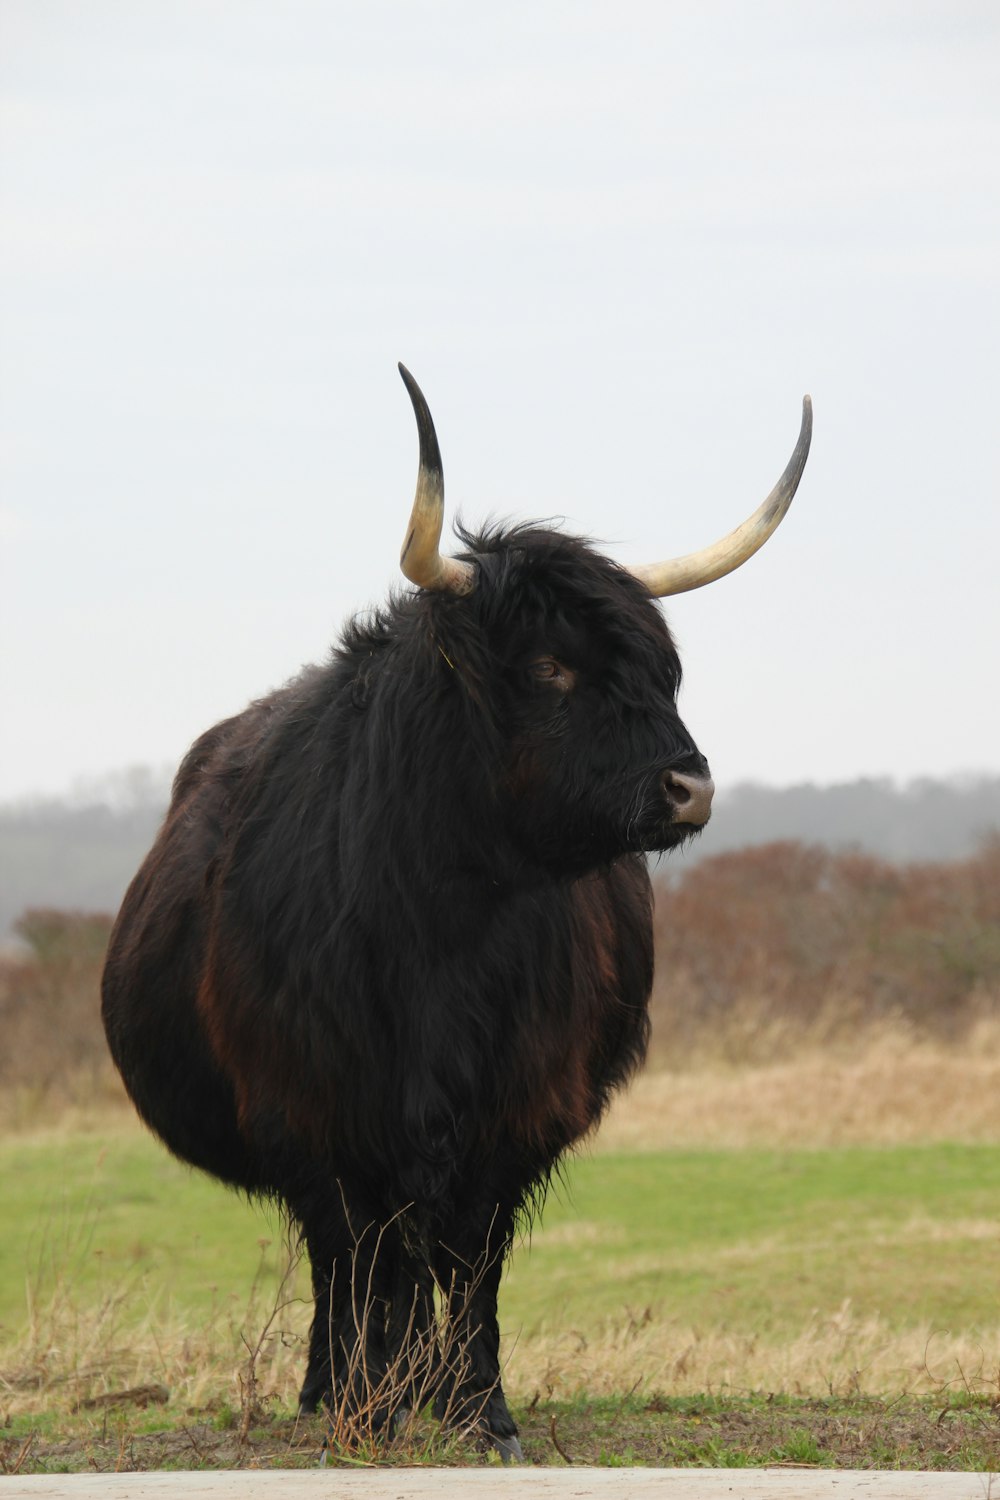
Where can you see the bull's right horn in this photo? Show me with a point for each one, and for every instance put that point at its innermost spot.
(679, 574)
(420, 558)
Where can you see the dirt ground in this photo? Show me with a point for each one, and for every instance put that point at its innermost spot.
(913, 1434)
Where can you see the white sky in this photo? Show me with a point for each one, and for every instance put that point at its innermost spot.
(614, 242)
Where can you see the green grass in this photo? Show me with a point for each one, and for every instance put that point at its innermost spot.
(749, 1239)
(103, 1210)
(760, 1239)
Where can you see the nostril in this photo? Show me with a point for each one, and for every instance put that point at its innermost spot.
(691, 796)
(676, 790)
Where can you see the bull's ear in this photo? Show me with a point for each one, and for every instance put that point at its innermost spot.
(420, 558)
(679, 574)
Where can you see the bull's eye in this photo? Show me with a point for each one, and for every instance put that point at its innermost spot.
(547, 669)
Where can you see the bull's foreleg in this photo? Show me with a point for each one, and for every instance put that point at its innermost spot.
(468, 1265)
(354, 1268)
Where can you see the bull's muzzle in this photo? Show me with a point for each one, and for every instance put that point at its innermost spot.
(690, 797)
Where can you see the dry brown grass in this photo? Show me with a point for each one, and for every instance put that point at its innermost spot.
(919, 1399)
(836, 1353)
(884, 1088)
(887, 1089)
(70, 1350)
(72, 1360)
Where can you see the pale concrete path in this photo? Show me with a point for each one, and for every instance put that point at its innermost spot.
(509, 1484)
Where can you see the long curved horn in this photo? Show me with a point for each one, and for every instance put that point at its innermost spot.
(420, 559)
(679, 574)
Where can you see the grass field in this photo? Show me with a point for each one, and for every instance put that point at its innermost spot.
(742, 1304)
(108, 1211)
(647, 1256)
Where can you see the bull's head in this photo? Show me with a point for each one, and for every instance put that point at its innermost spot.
(600, 761)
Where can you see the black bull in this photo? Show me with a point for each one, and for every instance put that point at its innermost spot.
(391, 952)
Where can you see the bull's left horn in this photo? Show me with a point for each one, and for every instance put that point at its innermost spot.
(679, 574)
(420, 558)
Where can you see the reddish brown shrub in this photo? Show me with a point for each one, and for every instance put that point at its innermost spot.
(789, 938)
(53, 1051)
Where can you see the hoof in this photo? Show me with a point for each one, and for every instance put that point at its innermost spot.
(399, 1419)
(314, 1399)
(508, 1448)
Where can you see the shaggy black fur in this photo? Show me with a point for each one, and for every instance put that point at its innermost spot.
(391, 952)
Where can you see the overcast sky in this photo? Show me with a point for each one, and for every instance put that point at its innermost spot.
(614, 242)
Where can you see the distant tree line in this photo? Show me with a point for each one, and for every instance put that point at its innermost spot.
(81, 852)
(55, 855)
(920, 820)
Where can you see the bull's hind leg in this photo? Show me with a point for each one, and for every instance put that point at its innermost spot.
(468, 1266)
(317, 1387)
(411, 1334)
